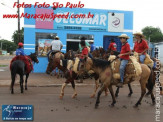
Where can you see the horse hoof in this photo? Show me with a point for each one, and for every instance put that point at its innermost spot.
(96, 106)
(153, 103)
(129, 95)
(26, 89)
(116, 95)
(60, 97)
(73, 96)
(92, 96)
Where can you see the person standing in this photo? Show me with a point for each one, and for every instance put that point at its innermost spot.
(112, 47)
(92, 46)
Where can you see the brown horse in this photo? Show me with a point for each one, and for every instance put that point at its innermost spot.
(54, 58)
(103, 69)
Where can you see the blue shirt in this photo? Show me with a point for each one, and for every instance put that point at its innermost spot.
(19, 51)
(92, 48)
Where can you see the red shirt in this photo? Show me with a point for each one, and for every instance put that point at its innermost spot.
(125, 49)
(113, 46)
(140, 47)
(84, 52)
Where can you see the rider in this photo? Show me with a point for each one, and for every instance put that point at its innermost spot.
(56, 46)
(86, 43)
(112, 47)
(20, 50)
(84, 53)
(124, 56)
(140, 46)
(92, 46)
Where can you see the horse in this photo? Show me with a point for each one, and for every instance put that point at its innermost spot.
(53, 58)
(69, 74)
(104, 70)
(18, 66)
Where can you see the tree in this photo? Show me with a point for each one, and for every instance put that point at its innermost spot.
(15, 36)
(8, 45)
(153, 33)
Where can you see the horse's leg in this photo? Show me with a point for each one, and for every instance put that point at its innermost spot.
(13, 75)
(117, 92)
(96, 87)
(112, 94)
(21, 82)
(106, 92)
(73, 86)
(98, 96)
(58, 73)
(62, 90)
(143, 91)
(129, 86)
(27, 75)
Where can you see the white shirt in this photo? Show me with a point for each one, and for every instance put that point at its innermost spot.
(56, 45)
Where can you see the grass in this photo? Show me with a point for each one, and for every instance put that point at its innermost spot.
(3, 65)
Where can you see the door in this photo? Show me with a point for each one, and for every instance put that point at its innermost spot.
(107, 39)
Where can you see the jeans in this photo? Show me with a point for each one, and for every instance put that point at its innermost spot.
(122, 68)
(90, 55)
(142, 57)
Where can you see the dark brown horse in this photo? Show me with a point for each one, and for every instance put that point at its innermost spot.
(103, 69)
(19, 67)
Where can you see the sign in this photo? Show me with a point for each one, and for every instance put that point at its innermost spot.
(44, 46)
(17, 112)
(46, 23)
(116, 22)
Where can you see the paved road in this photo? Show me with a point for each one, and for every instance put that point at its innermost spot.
(49, 108)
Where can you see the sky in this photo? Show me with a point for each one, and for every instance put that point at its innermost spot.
(146, 12)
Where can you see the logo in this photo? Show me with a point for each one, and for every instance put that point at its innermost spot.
(116, 22)
(17, 112)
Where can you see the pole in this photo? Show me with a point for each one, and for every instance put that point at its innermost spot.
(18, 24)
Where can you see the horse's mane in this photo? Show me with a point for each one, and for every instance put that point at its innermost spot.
(101, 63)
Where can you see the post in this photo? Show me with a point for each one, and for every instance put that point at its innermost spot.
(18, 24)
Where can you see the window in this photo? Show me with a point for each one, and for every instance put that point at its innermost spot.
(43, 43)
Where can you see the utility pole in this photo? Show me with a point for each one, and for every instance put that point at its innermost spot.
(18, 23)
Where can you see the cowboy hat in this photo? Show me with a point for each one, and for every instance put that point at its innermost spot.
(56, 37)
(91, 41)
(83, 38)
(139, 34)
(124, 35)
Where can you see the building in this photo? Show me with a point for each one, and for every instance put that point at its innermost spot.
(105, 25)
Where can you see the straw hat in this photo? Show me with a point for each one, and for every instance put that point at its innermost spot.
(139, 34)
(91, 41)
(124, 35)
(56, 37)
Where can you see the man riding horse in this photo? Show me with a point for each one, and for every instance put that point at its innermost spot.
(124, 57)
(56, 46)
(140, 46)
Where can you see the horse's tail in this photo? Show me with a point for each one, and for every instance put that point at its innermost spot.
(151, 81)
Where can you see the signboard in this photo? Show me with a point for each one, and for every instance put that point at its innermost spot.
(17, 112)
(44, 46)
(46, 23)
(116, 22)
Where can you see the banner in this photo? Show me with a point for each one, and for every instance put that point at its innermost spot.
(115, 22)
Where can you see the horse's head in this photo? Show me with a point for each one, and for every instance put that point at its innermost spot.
(85, 66)
(34, 58)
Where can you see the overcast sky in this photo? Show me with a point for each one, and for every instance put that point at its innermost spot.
(146, 12)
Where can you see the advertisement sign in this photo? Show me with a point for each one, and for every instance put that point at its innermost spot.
(17, 112)
(44, 46)
(46, 23)
(116, 22)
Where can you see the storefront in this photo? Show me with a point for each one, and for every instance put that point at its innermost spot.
(105, 25)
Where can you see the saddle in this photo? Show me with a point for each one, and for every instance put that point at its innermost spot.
(27, 60)
(148, 61)
(133, 68)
